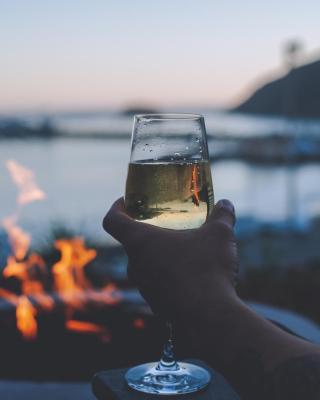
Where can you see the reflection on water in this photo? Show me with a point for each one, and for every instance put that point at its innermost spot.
(83, 177)
(270, 193)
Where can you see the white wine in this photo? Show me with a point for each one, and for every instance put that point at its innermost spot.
(171, 195)
(170, 188)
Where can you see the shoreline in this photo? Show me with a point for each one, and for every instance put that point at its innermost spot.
(276, 149)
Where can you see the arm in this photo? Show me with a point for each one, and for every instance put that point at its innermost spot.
(256, 356)
(189, 277)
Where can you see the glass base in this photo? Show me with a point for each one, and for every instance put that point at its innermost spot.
(185, 378)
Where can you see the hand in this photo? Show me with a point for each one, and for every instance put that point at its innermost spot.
(189, 278)
(180, 272)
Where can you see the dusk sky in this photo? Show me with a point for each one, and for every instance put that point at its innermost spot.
(69, 54)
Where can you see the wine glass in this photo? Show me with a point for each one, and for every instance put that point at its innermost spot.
(169, 184)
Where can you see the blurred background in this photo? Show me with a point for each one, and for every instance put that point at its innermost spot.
(73, 74)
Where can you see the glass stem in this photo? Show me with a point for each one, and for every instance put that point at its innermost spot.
(168, 360)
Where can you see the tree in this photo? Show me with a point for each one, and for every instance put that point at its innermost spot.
(292, 52)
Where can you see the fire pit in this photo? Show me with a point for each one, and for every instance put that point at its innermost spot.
(66, 315)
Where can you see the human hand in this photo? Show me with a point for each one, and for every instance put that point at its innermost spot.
(189, 277)
(180, 272)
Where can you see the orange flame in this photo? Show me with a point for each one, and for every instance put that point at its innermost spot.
(89, 327)
(69, 279)
(17, 264)
(25, 180)
(15, 268)
(68, 272)
(10, 297)
(25, 272)
(19, 240)
(26, 321)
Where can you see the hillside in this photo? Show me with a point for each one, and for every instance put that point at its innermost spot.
(296, 94)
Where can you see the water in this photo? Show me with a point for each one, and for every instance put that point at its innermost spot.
(80, 177)
(217, 123)
(83, 177)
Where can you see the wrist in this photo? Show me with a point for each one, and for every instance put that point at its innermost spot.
(208, 331)
(202, 308)
(205, 300)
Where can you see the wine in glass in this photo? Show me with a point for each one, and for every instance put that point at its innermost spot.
(169, 184)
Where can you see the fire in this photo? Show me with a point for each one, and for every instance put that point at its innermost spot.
(25, 181)
(9, 296)
(18, 239)
(19, 265)
(15, 268)
(26, 321)
(70, 282)
(67, 277)
(68, 272)
(89, 327)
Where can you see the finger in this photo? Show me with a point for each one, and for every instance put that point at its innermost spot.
(223, 212)
(121, 226)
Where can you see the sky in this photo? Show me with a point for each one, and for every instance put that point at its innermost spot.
(80, 54)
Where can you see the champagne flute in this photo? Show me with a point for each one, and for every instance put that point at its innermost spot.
(169, 184)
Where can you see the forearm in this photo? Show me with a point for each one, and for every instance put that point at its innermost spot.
(245, 347)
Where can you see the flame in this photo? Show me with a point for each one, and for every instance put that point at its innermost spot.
(28, 192)
(70, 280)
(195, 186)
(15, 268)
(25, 181)
(68, 274)
(9, 296)
(25, 272)
(25, 316)
(19, 239)
(89, 327)
(18, 264)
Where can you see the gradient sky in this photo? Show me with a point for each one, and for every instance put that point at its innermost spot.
(67, 54)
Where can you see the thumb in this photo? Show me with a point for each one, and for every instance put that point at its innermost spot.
(223, 212)
(122, 227)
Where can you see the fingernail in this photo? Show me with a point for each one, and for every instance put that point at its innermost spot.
(226, 204)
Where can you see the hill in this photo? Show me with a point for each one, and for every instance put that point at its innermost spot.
(296, 94)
